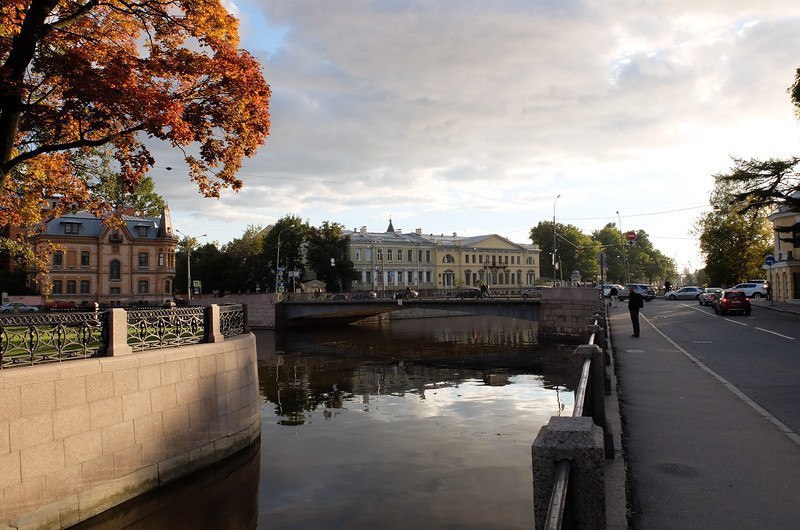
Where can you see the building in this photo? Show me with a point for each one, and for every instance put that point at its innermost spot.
(784, 274)
(91, 262)
(392, 260)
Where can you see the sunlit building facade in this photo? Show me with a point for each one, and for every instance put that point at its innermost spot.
(784, 275)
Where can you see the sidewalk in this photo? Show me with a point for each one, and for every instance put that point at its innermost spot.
(696, 454)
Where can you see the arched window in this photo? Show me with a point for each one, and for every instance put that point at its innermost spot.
(115, 270)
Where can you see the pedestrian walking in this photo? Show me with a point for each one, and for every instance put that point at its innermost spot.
(768, 287)
(635, 303)
(614, 295)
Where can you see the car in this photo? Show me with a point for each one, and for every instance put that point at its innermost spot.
(732, 300)
(405, 295)
(60, 304)
(365, 295)
(647, 292)
(470, 292)
(532, 292)
(685, 293)
(607, 289)
(709, 295)
(752, 289)
(18, 307)
(337, 296)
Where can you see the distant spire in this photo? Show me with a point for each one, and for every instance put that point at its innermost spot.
(391, 228)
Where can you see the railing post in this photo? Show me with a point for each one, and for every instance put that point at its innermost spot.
(581, 441)
(117, 330)
(596, 407)
(213, 333)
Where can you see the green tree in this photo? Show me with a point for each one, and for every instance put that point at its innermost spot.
(293, 233)
(328, 256)
(610, 241)
(246, 263)
(734, 238)
(574, 251)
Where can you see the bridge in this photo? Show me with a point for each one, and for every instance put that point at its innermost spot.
(332, 312)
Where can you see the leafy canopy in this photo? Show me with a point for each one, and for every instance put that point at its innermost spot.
(78, 74)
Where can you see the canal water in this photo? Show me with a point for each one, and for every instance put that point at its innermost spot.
(423, 423)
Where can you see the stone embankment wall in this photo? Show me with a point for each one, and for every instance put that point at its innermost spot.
(260, 307)
(79, 437)
(565, 312)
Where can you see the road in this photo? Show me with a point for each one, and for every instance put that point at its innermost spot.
(758, 354)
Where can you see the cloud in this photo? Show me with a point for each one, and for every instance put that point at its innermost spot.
(473, 115)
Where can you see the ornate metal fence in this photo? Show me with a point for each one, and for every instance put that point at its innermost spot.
(232, 320)
(164, 328)
(52, 337)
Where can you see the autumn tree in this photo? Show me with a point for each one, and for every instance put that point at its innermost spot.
(79, 74)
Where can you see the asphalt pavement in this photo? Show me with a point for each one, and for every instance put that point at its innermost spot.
(697, 453)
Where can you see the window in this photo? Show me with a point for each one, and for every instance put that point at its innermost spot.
(115, 290)
(388, 254)
(85, 258)
(160, 260)
(72, 228)
(368, 255)
(400, 255)
(115, 236)
(144, 259)
(167, 287)
(72, 287)
(114, 272)
(410, 255)
(358, 254)
(84, 286)
(143, 287)
(368, 278)
(480, 258)
(57, 287)
(410, 277)
(58, 258)
(428, 256)
(141, 231)
(380, 254)
(466, 258)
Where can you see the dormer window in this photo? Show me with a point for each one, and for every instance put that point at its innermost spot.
(72, 228)
(115, 237)
(141, 231)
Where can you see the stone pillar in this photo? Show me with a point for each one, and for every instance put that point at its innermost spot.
(580, 441)
(213, 333)
(117, 328)
(596, 390)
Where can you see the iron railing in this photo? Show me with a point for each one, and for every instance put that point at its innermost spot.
(165, 328)
(232, 320)
(44, 338)
(558, 497)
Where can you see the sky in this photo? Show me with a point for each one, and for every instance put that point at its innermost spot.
(473, 117)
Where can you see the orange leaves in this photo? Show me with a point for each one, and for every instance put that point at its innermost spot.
(105, 73)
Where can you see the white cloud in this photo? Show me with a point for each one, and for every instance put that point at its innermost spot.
(470, 117)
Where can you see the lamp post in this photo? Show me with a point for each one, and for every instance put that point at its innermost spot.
(189, 244)
(278, 260)
(555, 240)
(624, 251)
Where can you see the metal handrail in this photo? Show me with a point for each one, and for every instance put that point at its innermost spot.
(558, 497)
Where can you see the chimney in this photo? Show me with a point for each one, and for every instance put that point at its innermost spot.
(418, 231)
(364, 230)
(455, 234)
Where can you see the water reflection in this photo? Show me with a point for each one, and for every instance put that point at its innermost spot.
(429, 422)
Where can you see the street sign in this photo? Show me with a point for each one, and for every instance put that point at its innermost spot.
(769, 261)
(631, 236)
(631, 242)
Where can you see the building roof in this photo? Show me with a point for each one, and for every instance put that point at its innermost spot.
(92, 226)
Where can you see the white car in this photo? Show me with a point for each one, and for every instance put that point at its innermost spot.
(18, 307)
(752, 290)
(685, 293)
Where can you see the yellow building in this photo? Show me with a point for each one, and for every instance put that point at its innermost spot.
(784, 275)
(392, 260)
(131, 264)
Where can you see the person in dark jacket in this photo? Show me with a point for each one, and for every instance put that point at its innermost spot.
(635, 303)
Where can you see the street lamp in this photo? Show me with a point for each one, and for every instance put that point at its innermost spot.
(624, 251)
(278, 260)
(189, 244)
(555, 240)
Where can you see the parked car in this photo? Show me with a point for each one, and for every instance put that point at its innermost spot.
(685, 293)
(365, 295)
(607, 289)
(532, 292)
(709, 295)
(469, 292)
(647, 292)
(732, 300)
(752, 289)
(18, 307)
(405, 295)
(337, 296)
(60, 304)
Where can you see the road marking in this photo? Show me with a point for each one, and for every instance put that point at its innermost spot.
(735, 322)
(793, 436)
(774, 333)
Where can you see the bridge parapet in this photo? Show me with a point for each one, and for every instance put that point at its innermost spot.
(565, 312)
